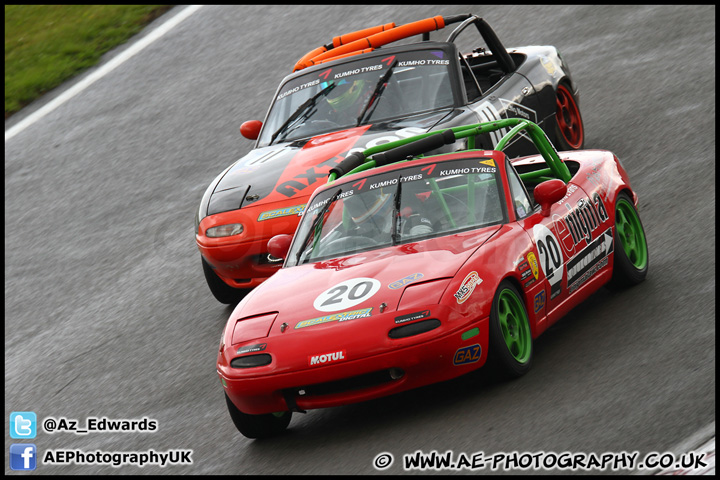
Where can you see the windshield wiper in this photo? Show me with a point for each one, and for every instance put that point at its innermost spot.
(396, 214)
(303, 111)
(316, 223)
(377, 92)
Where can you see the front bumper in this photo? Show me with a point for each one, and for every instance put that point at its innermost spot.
(430, 360)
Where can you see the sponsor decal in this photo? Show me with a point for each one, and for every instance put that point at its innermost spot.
(467, 171)
(523, 265)
(326, 358)
(585, 218)
(346, 294)
(532, 260)
(548, 64)
(336, 317)
(468, 286)
(404, 281)
(465, 355)
(539, 301)
(586, 263)
(516, 110)
(470, 333)
(529, 282)
(281, 212)
(410, 317)
(525, 274)
(252, 348)
(489, 162)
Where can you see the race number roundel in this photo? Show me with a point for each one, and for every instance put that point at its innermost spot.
(551, 260)
(346, 294)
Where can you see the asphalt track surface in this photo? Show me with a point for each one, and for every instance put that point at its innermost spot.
(108, 314)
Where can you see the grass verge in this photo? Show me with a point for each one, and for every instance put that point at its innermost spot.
(45, 45)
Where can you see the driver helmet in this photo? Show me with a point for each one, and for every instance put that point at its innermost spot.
(370, 207)
(345, 94)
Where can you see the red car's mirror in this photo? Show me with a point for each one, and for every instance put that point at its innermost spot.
(251, 129)
(279, 245)
(549, 192)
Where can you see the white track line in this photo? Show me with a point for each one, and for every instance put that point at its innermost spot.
(101, 72)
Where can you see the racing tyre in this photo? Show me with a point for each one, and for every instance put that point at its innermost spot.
(631, 251)
(569, 130)
(223, 292)
(258, 426)
(510, 348)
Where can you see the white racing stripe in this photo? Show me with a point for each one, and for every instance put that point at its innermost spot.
(101, 72)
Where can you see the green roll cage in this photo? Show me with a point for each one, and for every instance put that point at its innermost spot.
(555, 166)
(415, 147)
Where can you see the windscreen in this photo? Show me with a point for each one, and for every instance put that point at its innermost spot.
(405, 205)
(358, 92)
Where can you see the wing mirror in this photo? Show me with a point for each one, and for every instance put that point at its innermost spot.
(549, 192)
(251, 129)
(279, 245)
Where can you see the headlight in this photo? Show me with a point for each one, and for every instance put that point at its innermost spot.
(224, 230)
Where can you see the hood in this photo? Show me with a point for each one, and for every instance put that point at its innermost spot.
(279, 172)
(306, 293)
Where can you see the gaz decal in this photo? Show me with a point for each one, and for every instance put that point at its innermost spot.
(468, 286)
(326, 358)
(539, 301)
(404, 281)
(551, 259)
(469, 354)
(346, 294)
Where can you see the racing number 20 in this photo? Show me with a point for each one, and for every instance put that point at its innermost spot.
(549, 254)
(346, 294)
(358, 291)
(551, 260)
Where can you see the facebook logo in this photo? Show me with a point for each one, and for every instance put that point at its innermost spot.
(23, 456)
(23, 425)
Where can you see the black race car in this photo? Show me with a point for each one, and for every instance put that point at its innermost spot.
(361, 91)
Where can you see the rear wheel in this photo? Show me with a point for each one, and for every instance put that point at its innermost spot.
(570, 132)
(258, 426)
(223, 292)
(510, 349)
(631, 252)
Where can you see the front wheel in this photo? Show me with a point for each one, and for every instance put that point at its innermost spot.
(631, 251)
(510, 345)
(222, 292)
(258, 426)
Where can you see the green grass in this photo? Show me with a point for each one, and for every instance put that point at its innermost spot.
(45, 45)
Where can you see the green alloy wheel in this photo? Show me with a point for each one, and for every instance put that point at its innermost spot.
(631, 250)
(511, 345)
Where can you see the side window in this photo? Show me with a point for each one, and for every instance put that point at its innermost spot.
(471, 85)
(521, 201)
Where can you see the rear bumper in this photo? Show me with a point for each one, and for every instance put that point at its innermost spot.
(428, 361)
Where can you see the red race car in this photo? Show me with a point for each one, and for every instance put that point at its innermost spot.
(407, 270)
(360, 91)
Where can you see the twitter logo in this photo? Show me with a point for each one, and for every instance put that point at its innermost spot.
(23, 425)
